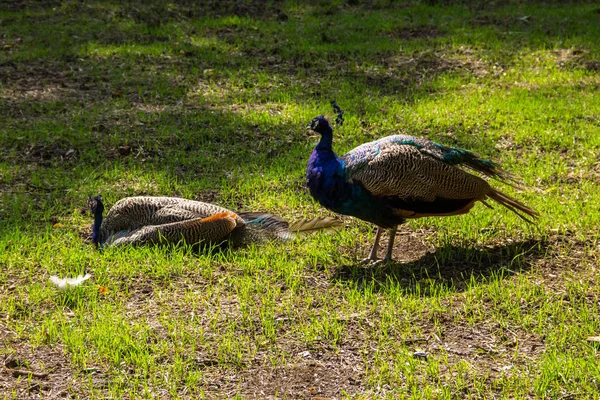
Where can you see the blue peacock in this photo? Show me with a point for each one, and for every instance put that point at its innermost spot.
(171, 220)
(401, 177)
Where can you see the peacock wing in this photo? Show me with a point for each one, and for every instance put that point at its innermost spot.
(132, 213)
(203, 209)
(396, 167)
(454, 156)
(213, 229)
(174, 213)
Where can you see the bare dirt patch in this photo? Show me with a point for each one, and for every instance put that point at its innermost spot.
(467, 59)
(491, 353)
(41, 372)
(416, 258)
(29, 87)
(40, 81)
(419, 63)
(43, 153)
(573, 58)
(403, 70)
(593, 65)
(310, 376)
(398, 72)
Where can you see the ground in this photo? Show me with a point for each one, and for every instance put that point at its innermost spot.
(209, 101)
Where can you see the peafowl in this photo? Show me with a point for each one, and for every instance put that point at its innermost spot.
(154, 220)
(400, 177)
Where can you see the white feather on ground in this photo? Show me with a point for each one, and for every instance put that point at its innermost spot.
(67, 283)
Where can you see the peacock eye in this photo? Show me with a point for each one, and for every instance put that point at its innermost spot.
(314, 124)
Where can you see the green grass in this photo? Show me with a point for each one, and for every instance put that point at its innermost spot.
(212, 104)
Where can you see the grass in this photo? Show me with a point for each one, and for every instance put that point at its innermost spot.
(209, 103)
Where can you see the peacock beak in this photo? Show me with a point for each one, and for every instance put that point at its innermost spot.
(311, 133)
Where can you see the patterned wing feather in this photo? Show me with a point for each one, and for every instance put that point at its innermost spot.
(132, 213)
(470, 160)
(454, 156)
(262, 226)
(396, 166)
(173, 213)
(204, 209)
(213, 229)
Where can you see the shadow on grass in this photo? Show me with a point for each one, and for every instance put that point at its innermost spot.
(122, 119)
(139, 51)
(451, 267)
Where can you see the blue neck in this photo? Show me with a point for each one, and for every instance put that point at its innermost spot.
(326, 140)
(325, 175)
(97, 225)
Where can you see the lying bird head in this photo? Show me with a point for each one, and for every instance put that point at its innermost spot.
(96, 204)
(320, 125)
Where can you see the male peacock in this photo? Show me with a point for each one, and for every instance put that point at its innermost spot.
(153, 220)
(399, 177)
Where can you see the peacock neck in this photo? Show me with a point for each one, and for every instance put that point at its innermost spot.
(326, 140)
(96, 229)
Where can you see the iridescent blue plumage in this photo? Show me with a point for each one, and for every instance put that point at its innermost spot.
(328, 183)
(97, 207)
(398, 177)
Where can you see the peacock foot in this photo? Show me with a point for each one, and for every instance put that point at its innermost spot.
(369, 262)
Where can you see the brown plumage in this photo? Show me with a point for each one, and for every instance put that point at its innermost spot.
(404, 171)
(154, 220)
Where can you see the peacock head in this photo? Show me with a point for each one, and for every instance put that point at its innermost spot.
(97, 208)
(96, 205)
(320, 125)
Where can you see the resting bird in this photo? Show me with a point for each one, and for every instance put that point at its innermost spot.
(401, 177)
(170, 220)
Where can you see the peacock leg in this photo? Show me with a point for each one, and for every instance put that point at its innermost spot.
(373, 254)
(388, 254)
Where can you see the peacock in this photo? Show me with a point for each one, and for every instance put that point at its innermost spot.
(170, 220)
(401, 177)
